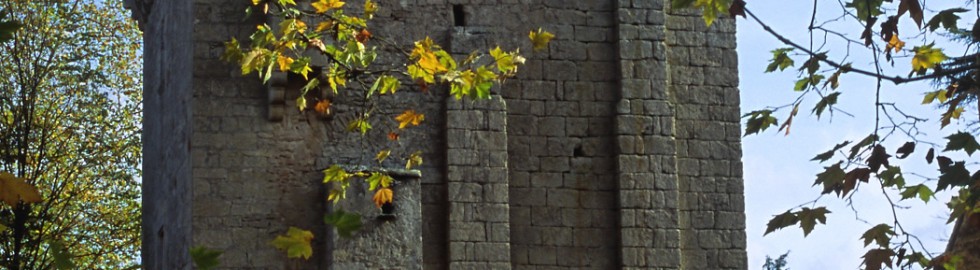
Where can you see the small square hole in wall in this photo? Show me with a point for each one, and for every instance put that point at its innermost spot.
(459, 16)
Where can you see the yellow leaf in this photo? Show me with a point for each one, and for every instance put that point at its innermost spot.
(927, 57)
(540, 39)
(382, 155)
(370, 7)
(301, 103)
(414, 160)
(324, 25)
(895, 43)
(336, 195)
(14, 190)
(296, 243)
(382, 196)
(284, 62)
(323, 6)
(409, 116)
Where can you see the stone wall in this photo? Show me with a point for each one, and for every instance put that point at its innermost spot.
(618, 146)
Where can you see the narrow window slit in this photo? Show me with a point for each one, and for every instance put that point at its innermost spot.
(459, 17)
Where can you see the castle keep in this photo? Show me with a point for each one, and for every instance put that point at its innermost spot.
(617, 147)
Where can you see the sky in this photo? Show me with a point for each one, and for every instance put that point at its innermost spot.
(777, 171)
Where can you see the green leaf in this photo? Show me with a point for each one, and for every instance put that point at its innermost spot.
(954, 175)
(892, 176)
(679, 4)
(812, 80)
(389, 84)
(829, 154)
(832, 178)
(62, 256)
(781, 221)
(827, 101)
(759, 121)
(780, 60)
(205, 258)
(865, 142)
(359, 125)
(296, 243)
(879, 234)
(809, 218)
(345, 223)
(947, 18)
(927, 57)
(962, 141)
(379, 180)
(874, 258)
(866, 9)
(335, 174)
(932, 96)
(920, 190)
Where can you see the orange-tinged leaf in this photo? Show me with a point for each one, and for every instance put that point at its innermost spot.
(393, 136)
(284, 62)
(14, 190)
(895, 43)
(323, 6)
(296, 243)
(322, 107)
(409, 116)
(382, 196)
(363, 36)
(540, 39)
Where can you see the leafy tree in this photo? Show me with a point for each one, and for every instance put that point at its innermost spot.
(777, 264)
(70, 126)
(929, 48)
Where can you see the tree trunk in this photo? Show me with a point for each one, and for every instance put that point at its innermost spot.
(965, 242)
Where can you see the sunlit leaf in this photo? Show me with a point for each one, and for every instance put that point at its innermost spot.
(927, 57)
(921, 191)
(322, 6)
(415, 159)
(296, 243)
(379, 180)
(382, 196)
(540, 39)
(409, 117)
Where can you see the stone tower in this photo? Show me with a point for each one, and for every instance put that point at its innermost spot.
(618, 147)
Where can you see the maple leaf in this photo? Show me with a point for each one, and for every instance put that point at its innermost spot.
(947, 18)
(922, 191)
(865, 142)
(382, 196)
(879, 234)
(827, 101)
(781, 221)
(759, 121)
(413, 160)
(296, 243)
(377, 180)
(832, 178)
(323, 6)
(14, 190)
(780, 60)
(905, 150)
(809, 218)
(301, 103)
(362, 36)
(393, 136)
(878, 157)
(892, 176)
(540, 39)
(409, 116)
(927, 57)
(830, 153)
(322, 107)
(851, 178)
(932, 96)
(895, 44)
(335, 174)
(382, 155)
(506, 61)
(360, 124)
(914, 9)
(370, 7)
(954, 174)
(874, 258)
(962, 141)
(345, 223)
(205, 258)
